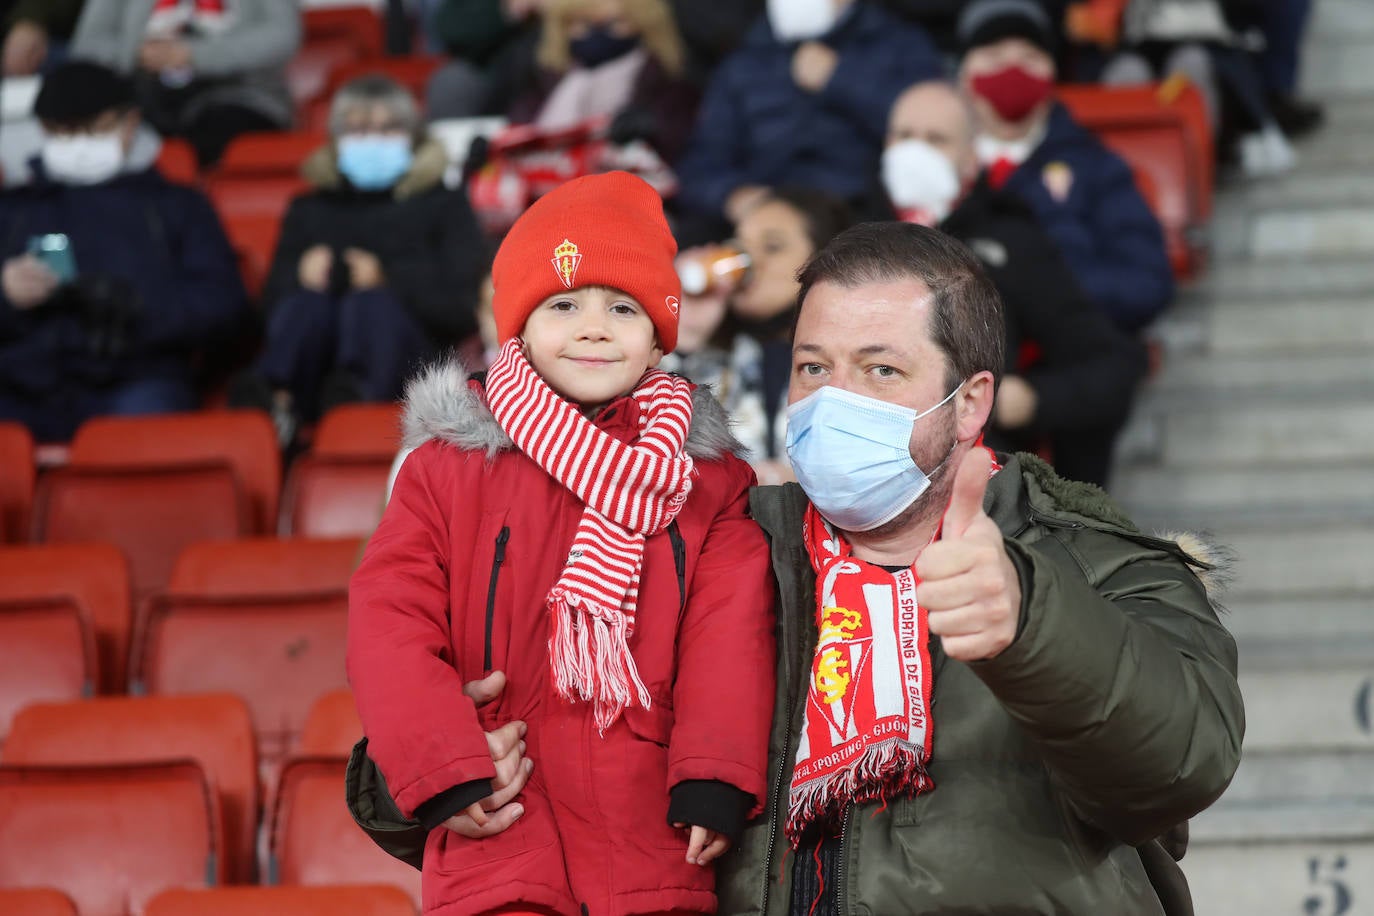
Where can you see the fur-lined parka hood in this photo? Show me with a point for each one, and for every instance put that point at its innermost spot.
(427, 167)
(439, 404)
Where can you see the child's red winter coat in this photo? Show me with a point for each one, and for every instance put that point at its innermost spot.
(453, 585)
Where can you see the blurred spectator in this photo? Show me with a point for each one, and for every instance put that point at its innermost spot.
(206, 70)
(1070, 373)
(1083, 194)
(803, 102)
(736, 335)
(1284, 22)
(712, 31)
(618, 58)
(492, 43)
(36, 34)
(113, 278)
(376, 268)
(1196, 39)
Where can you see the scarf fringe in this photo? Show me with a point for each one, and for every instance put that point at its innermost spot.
(889, 769)
(589, 655)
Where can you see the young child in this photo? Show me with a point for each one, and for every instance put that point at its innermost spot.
(577, 520)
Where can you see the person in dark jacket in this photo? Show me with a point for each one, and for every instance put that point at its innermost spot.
(36, 34)
(1071, 375)
(113, 278)
(376, 269)
(803, 102)
(1083, 194)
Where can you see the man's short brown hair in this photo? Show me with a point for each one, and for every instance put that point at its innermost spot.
(966, 311)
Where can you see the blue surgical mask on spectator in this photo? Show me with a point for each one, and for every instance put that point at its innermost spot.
(600, 46)
(852, 456)
(374, 162)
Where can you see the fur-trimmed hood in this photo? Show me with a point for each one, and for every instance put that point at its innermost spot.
(321, 169)
(439, 404)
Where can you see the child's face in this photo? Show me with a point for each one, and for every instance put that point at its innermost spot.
(591, 345)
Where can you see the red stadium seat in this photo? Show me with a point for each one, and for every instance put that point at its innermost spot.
(176, 160)
(150, 513)
(334, 497)
(17, 473)
(242, 439)
(36, 901)
(412, 72)
(257, 567)
(92, 577)
(332, 728)
(49, 651)
(251, 208)
(269, 154)
(110, 837)
(214, 730)
(359, 25)
(1161, 131)
(355, 900)
(316, 842)
(277, 653)
(359, 431)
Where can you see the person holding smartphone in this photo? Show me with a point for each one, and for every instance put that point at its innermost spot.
(111, 278)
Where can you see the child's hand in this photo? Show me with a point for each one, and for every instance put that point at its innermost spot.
(705, 845)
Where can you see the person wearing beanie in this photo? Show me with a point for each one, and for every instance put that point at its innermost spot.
(1083, 194)
(115, 282)
(560, 635)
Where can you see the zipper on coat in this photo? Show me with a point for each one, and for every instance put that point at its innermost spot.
(497, 560)
(679, 563)
(840, 895)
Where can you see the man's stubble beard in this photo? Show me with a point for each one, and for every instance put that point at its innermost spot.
(930, 505)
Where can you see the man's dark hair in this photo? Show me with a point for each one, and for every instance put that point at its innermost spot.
(966, 312)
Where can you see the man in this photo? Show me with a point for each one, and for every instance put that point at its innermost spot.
(995, 694)
(1082, 193)
(1070, 374)
(113, 280)
(802, 102)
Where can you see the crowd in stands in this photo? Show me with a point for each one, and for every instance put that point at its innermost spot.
(288, 207)
(808, 112)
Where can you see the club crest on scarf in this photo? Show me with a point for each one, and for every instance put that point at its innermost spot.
(566, 259)
(867, 729)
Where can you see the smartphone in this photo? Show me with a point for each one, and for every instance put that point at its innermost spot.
(55, 250)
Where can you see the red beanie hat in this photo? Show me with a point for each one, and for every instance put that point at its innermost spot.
(599, 230)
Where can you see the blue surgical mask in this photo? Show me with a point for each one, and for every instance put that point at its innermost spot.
(852, 456)
(373, 162)
(599, 46)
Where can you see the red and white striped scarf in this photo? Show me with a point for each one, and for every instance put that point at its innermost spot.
(173, 17)
(628, 492)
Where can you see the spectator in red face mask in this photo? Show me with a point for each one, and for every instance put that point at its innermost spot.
(1083, 194)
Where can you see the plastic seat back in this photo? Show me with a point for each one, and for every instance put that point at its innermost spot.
(36, 901)
(49, 654)
(243, 439)
(110, 837)
(358, 24)
(256, 567)
(355, 900)
(150, 513)
(359, 431)
(277, 653)
(412, 72)
(314, 838)
(334, 497)
(332, 727)
(269, 153)
(95, 578)
(177, 162)
(214, 730)
(17, 474)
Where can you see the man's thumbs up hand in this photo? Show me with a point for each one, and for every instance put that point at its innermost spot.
(969, 586)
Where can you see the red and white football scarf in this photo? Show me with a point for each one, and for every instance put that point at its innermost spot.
(867, 731)
(628, 492)
(172, 17)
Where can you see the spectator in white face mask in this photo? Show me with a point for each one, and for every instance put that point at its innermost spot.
(113, 279)
(1070, 374)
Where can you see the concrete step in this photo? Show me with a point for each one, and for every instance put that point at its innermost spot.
(1310, 709)
(1300, 776)
(1303, 369)
(1233, 498)
(1303, 189)
(1300, 624)
(1257, 434)
(1334, 21)
(1314, 562)
(1302, 233)
(1350, 113)
(1282, 879)
(1278, 821)
(1291, 280)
